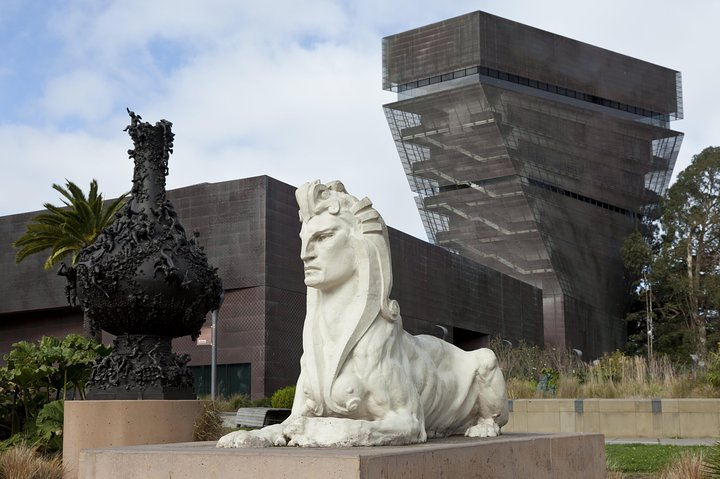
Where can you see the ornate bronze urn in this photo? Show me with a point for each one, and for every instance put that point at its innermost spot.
(146, 282)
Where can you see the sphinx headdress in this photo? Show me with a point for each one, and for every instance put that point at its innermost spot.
(314, 198)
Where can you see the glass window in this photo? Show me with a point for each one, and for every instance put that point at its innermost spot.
(231, 379)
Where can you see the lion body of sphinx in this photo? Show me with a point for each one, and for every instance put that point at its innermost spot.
(408, 388)
(393, 388)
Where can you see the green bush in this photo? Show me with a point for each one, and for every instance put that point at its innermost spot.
(283, 397)
(35, 380)
(548, 383)
(712, 462)
(240, 400)
(713, 369)
(610, 367)
(261, 402)
(237, 401)
(231, 404)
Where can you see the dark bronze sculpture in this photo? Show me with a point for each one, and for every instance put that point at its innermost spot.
(146, 282)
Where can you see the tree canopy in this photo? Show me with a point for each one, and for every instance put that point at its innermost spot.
(678, 262)
(65, 230)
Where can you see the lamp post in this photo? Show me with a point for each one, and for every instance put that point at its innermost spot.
(213, 345)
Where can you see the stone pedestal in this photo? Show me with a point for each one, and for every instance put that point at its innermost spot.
(540, 456)
(96, 424)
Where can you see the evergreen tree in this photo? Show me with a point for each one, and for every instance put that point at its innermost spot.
(680, 260)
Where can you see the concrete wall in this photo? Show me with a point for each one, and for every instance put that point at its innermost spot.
(95, 424)
(682, 418)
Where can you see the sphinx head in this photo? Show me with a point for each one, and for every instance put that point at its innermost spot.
(344, 239)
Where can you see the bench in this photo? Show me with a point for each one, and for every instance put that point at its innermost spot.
(256, 417)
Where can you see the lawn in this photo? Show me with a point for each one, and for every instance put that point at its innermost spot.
(646, 458)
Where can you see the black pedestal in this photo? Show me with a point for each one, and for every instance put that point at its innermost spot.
(141, 367)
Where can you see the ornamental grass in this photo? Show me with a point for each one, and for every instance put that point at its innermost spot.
(532, 372)
(24, 462)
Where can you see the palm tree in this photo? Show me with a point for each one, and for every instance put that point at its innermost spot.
(67, 230)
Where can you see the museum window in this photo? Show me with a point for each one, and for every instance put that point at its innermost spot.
(232, 379)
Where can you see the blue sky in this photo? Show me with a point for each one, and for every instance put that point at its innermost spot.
(285, 88)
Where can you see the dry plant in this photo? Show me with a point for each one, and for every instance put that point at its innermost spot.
(525, 361)
(24, 462)
(520, 388)
(569, 387)
(612, 376)
(619, 376)
(613, 472)
(209, 425)
(685, 466)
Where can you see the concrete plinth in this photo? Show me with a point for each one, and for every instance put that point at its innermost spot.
(541, 456)
(94, 424)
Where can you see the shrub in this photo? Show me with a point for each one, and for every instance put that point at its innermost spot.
(35, 380)
(713, 369)
(548, 383)
(209, 425)
(712, 462)
(532, 372)
(240, 400)
(520, 388)
(262, 402)
(526, 361)
(231, 404)
(283, 397)
(569, 387)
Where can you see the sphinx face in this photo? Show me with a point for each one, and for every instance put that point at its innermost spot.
(327, 251)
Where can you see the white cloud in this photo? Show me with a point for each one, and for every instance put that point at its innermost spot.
(82, 94)
(37, 158)
(285, 88)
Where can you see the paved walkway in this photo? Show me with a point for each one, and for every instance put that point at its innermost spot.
(695, 441)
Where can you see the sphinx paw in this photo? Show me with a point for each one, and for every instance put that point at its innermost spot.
(250, 439)
(302, 440)
(486, 428)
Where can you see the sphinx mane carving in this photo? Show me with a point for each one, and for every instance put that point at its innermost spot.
(364, 381)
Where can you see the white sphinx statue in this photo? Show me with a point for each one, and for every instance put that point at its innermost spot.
(364, 381)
